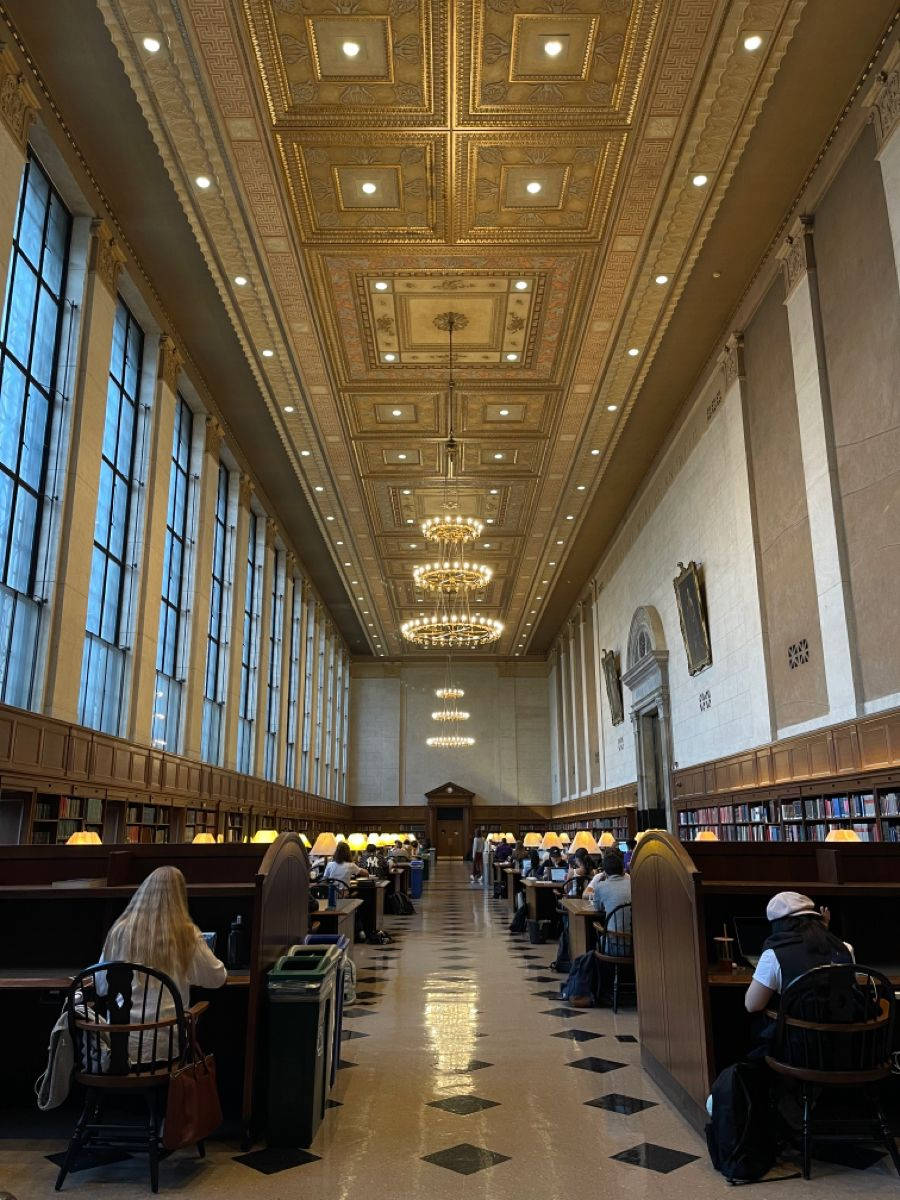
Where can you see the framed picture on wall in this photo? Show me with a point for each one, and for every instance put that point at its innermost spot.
(609, 661)
(692, 616)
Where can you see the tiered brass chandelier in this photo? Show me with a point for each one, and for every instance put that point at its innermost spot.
(449, 717)
(451, 579)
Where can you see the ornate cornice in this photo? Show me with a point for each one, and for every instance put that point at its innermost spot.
(214, 434)
(797, 254)
(18, 103)
(884, 98)
(170, 362)
(731, 359)
(271, 533)
(106, 256)
(245, 490)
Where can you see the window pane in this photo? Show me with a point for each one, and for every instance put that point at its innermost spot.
(22, 539)
(32, 461)
(12, 408)
(42, 354)
(21, 312)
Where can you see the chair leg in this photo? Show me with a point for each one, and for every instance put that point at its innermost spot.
(201, 1149)
(75, 1142)
(153, 1139)
(616, 989)
(806, 1148)
(890, 1142)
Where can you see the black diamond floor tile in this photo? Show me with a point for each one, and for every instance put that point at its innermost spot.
(558, 1012)
(334, 1104)
(272, 1160)
(462, 1106)
(353, 1013)
(625, 1037)
(369, 995)
(617, 1103)
(548, 995)
(529, 956)
(86, 1159)
(545, 978)
(348, 1035)
(577, 1035)
(655, 1158)
(343, 1064)
(600, 1065)
(474, 1064)
(466, 1159)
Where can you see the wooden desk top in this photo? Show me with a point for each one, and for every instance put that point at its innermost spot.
(512, 870)
(124, 891)
(20, 979)
(543, 883)
(340, 906)
(579, 907)
(741, 976)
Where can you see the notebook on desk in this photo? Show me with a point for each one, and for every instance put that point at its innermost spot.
(750, 934)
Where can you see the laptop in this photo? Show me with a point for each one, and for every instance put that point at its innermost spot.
(750, 933)
(558, 874)
(210, 939)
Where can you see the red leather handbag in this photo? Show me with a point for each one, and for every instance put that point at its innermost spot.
(193, 1110)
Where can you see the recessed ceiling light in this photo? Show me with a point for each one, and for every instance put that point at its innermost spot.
(570, 517)
(240, 280)
(359, 597)
(753, 42)
(351, 49)
(553, 48)
(353, 582)
(370, 188)
(528, 624)
(580, 487)
(412, 545)
(595, 452)
(304, 453)
(203, 181)
(396, 412)
(551, 564)
(633, 352)
(544, 582)
(346, 564)
(533, 187)
(390, 357)
(339, 543)
(268, 353)
(401, 457)
(512, 357)
(533, 611)
(380, 285)
(489, 521)
(289, 408)
(539, 597)
(406, 492)
(152, 44)
(611, 407)
(329, 518)
(493, 491)
(700, 180)
(521, 285)
(319, 488)
(504, 412)
(371, 624)
(487, 545)
(559, 541)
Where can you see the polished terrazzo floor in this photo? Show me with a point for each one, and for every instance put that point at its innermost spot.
(463, 1076)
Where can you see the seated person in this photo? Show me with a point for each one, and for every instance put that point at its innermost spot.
(609, 890)
(531, 867)
(800, 940)
(579, 865)
(156, 930)
(342, 866)
(503, 853)
(554, 862)
(396, 851)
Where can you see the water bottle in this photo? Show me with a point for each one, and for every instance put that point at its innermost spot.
(237, 953)
(332, 894)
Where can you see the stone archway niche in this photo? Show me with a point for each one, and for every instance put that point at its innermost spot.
(647, 678)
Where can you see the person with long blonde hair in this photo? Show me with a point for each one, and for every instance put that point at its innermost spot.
(156, 930)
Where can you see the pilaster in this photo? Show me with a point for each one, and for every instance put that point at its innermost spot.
(820, 469)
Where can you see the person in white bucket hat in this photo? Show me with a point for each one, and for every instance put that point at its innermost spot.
(800, 940)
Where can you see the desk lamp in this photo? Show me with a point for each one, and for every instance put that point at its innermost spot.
(842, 835)
(325, 845)
(586, 839)
(203, 839)
(606, 840)
(357, 842)
(305, 840)
(532, 841)
(265, 835)
(550, 841)
(340, 837)
(706, 835)
(510, 837)
(83, 837)
(564, 838)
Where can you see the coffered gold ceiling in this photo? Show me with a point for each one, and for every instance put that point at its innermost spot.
(451, 114)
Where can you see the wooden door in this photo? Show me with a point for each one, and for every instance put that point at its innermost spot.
(450, 837)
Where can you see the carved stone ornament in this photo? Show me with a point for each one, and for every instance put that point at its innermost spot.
(170, 362)
(797, 254)
(271, 533)
(18, 103)
(884, 98)
(106, 256)
(214, 435)
(732, 359)
(245, 491)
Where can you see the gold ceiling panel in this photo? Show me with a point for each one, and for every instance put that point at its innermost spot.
(384, 414)
(504, 414)
(309, 79)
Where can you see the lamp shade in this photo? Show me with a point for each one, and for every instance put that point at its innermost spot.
(203, 839)
(583, 839)
(606, 840)
(842, 835)
(340, 837)
(325, 845)
(83, 837)
(511, 838)
(706, 835)
(357, 841)
(532, 839)
(550, 841)
(305, 840)
(564, 838)
(265, 835)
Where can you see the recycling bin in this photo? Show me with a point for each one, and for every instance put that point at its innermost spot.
(416, 875)
(343, 944)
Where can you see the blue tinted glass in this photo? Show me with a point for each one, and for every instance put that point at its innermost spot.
(95, 592)
(21, 312)
(7, 494)
(117, 354)
(109, 623)
(33, 446)
(42, 354)
(126, 438)
(22, 539)
(12, 404)
(56, 246)
(31, 231)
(118, 527)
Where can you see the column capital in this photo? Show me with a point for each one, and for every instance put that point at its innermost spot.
(19, 105)
(290, 564)
(796, 253)
(214, 435)
(731, 360)
(883, 98)
(170, 361)
(106, 257)
(245, 490)
(271, 533)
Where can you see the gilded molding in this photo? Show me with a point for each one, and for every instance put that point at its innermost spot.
(797, 253)
(170, 362)
(106, 255)
(18, 103)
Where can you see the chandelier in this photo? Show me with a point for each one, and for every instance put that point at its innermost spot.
(449, 716)
(451, 578)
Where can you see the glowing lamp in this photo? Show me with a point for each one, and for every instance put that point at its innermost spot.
(842, 835)
(203, 839)
(550, 841)
(265, 835)
(532, 840)
(706, 835)
(325, 845)
(584, 839)
(339, 837)
(305, 840)
(564, 838)
(357, 841)
(83, 837)
(606, 840)
(510, 837)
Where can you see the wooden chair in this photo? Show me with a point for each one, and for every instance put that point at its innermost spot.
(834, 1029)
(615, 947)
(320, 891)
(116, 1054)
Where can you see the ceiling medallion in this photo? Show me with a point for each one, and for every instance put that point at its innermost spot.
(449, 717)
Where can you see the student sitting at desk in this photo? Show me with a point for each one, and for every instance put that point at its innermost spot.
(579, 865)
(342, 866)
(531, 867)
(555, 862)
(156, 930)
(503, 853)
(800, 940)
(611, 889)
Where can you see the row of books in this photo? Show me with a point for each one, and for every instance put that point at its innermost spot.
(89, 809)
(145, 834)
(829, 808)
(146, 814)
(862, 804)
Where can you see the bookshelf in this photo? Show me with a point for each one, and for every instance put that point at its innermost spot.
(145, 823)
(199, 820)
(873, 813)
(55, 818)
(620, 822)
(235, 826)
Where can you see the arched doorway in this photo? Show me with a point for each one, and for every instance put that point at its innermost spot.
(647, 678)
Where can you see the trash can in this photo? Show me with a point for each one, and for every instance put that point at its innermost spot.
(426, 865)
(343, 944)
(301, 995)
(416, 875)
(431, 855)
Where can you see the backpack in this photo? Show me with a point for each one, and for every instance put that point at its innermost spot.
(499, 891)
(406, 908)
(535, 933)
(519, 921)
(392, 904)
(581, 988)
(562, 962)
(349, 980)
(740, 1137)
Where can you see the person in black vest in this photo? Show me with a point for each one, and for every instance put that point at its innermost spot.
(800, 940)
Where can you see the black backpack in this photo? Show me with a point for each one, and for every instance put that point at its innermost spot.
(562, 962)
(519, 921)
(406, 905)
(740, 1136)
(583, 984)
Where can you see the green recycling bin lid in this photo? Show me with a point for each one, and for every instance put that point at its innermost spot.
(309, 971)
